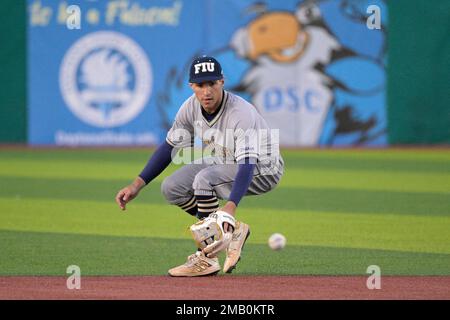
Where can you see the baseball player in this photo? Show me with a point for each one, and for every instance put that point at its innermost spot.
(240, 157)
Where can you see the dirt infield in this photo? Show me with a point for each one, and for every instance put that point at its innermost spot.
(226, 288)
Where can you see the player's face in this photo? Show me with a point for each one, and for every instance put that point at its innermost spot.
(209, 94)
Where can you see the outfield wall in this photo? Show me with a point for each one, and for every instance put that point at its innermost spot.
(316, 72)
(13, 113)
(419, 72)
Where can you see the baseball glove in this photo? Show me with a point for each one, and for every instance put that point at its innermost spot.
(209, 234)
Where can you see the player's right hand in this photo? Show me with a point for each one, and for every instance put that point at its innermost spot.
(125, 195)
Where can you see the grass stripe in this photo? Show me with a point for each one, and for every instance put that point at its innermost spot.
(63, 169)
(56, 162)
(138, 154)
(285, 198)
(311, 178)
(368, 164)
(373, 231)
(32, 253)
(406, 155)
(370, 231)
(351, 201)
(367, 180)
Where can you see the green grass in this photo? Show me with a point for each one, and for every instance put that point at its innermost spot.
(341, 211)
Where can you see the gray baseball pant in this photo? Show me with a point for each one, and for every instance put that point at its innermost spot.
(196, 187)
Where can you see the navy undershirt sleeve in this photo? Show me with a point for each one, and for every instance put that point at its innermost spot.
(242, 182)
(159, 160)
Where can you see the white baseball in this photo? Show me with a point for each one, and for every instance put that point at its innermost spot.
(277, 241)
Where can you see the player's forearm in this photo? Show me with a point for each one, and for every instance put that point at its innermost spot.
(159, 161)
(242, 182)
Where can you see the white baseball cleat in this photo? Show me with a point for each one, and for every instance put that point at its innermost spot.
(197, 265)
(233, 252)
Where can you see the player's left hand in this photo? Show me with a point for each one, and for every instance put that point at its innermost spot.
(226, 223)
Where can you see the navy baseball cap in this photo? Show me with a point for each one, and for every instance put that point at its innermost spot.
(205, 69)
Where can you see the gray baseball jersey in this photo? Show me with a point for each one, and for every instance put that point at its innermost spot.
(236, 132)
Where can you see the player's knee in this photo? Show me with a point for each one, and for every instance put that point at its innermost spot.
(169, 189)
(202, 181)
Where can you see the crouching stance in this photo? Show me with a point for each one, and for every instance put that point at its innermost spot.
(241, 157)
